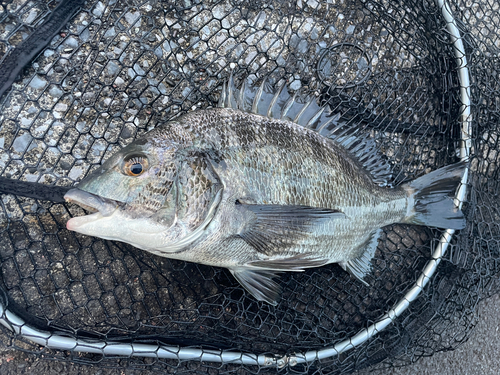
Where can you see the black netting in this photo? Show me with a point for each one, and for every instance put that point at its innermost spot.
(119, 68)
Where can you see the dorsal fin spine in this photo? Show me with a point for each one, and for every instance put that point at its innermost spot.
(274, 100)
(230, 89)
(222, 99)
(356, 150)
(326, 125)
(257, 97)
(241, 96)
(287, 106)
(301, 112)
(315, 118)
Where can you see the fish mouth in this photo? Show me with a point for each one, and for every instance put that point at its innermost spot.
(99, 206)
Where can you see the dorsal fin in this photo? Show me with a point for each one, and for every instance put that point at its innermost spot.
(305, 111)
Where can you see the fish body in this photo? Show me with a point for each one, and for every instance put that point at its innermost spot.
(244, 187)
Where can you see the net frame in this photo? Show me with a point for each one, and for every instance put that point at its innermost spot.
(55, 341)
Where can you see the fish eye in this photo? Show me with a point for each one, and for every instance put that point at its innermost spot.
(135, 165)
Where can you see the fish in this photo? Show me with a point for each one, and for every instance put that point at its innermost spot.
(266, 182)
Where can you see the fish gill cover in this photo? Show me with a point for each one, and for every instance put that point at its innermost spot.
(119, 68)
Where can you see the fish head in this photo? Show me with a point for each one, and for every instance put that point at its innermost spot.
(150, 194)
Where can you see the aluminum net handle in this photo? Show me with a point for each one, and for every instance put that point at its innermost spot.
(54, 341)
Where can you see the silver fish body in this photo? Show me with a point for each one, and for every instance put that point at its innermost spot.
(255, 194)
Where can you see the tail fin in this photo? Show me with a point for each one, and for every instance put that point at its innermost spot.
(433, 198)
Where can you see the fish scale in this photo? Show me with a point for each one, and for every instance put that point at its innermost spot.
(334, 165)
(257, 194)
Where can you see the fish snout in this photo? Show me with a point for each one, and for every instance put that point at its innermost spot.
(91, 202)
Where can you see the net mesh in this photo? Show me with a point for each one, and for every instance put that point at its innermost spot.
(119, 68)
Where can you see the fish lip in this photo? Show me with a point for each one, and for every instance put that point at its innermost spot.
(92, 202)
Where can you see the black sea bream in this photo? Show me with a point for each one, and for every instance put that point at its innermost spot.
(260, 185)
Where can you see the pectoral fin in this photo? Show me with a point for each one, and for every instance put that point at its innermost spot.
(273, 228)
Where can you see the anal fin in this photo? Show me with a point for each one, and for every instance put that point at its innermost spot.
(361, 266)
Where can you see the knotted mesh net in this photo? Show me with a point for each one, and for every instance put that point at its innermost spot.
(113, 69)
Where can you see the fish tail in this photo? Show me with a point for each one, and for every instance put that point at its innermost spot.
(432, 197)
